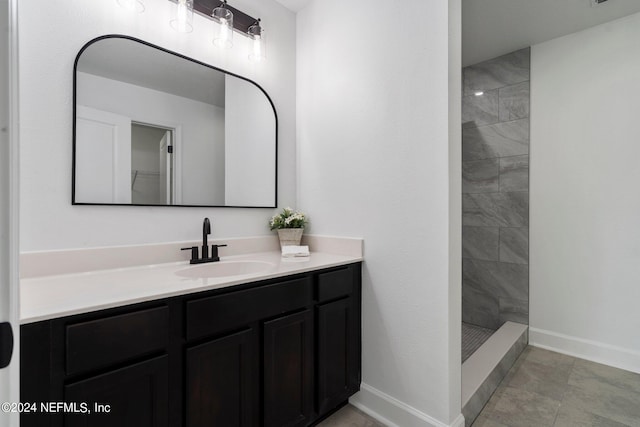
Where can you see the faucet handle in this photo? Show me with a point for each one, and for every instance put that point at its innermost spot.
(194, 253)
(214, 252)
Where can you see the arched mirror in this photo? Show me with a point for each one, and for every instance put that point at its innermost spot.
(152, 127)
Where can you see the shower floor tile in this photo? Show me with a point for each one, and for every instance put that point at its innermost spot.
(472, 338)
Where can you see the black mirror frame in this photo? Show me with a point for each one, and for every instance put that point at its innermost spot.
(75, 88)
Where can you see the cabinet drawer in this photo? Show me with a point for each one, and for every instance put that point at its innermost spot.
(207, 316)
(335, 284)
(101, 342)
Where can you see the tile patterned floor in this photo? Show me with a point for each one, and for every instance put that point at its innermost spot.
(544, 388)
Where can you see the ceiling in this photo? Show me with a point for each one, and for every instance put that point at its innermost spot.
(491, 28)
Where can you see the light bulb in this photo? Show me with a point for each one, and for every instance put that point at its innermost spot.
(182, 22)
(223, 31)
(132, 5)
(257, 49)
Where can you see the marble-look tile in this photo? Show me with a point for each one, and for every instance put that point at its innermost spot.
(514, 245)
(350, 416)
(514, 173)
(520, 408)
(496, 209)
(590, 374)
(549, 381)
(502, 71)
(481, 176)
(484, 421)
(514, 102)
(569, 416)
(546, 357)
(479, 308)
(521, 345)
(498, 279)
(606, 402)
(498, 140)
(508, 362)
(514, 310)
(595, 394)
(520, 360)
(480, 110)
(475, 405)
(480, 243)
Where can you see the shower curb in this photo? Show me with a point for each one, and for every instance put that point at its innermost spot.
(487, 367)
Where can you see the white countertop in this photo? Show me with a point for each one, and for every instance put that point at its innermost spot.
(48, 297)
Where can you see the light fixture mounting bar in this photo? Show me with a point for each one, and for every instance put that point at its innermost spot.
(241, 21)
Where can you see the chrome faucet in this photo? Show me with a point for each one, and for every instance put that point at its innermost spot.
(195, 259)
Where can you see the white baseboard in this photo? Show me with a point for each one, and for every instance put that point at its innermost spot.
(394, 413)
(458, 422)
(594, 351)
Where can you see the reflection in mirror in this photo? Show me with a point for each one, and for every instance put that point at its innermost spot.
(155, 128)
(151, 165)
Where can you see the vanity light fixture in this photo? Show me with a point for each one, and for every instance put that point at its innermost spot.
(227, 20)
(132, 5)
(479, 93)
(182, 21)
(257, 50)
(223, 31)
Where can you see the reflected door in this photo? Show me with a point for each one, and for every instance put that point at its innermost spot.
(164, 165)
(151, 165)
(103, 157)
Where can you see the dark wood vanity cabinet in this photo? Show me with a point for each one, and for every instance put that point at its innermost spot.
(288, 370)
(220, 379)
(282, 352)
(136, 395)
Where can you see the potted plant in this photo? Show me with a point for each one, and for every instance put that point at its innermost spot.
(290, 225)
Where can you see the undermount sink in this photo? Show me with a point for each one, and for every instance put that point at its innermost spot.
(225, 268)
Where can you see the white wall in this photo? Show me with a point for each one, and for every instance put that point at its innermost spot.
(201, 151)
(250, 159)
(585, 204)
(51, 33)
(373, 162)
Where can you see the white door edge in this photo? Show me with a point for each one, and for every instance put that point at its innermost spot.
(11, 419)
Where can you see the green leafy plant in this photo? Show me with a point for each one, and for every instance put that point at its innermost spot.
(288, 218)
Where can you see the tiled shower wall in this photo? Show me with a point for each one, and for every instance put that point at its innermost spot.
(495, 187)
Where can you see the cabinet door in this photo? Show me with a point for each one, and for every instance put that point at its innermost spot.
(338, 353)
(288, 370)
(137, 396)
(221, 381)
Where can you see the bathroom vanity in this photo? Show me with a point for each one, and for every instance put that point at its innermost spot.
(280, 351)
